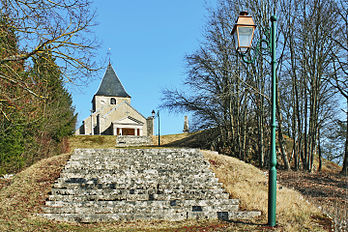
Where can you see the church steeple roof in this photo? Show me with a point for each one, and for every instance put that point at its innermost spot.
(111, 85)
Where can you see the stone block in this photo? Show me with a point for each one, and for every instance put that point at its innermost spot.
(133, 141)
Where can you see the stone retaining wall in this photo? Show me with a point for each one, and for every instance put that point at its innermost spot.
(133, 141)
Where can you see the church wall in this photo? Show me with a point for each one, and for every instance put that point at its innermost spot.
(108, 115)
(104, 102)
(122, 111)
(88, 126)
(108, 131)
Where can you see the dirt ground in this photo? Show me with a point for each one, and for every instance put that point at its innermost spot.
(328, 191)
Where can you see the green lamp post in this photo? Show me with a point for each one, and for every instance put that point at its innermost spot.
(243, 32)
(159, 125)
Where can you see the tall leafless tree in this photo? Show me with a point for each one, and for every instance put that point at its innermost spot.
(61, 26)
(232, 97)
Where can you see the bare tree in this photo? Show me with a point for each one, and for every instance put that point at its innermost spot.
(61, 26)
(231, 96)
(339, 79)
(308, 96)
(217, 96)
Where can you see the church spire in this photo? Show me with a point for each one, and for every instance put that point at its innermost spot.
(109, 55)
(111, 85)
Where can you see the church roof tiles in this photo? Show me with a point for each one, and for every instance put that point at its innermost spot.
(111, 85)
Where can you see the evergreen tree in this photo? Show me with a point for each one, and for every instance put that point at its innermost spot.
(35, 109)
(15, 142)
(58, 114)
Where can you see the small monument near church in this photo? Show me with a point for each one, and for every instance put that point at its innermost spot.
(186, 125)
(112, 113)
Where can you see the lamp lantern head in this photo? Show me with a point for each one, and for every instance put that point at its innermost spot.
(243, 32)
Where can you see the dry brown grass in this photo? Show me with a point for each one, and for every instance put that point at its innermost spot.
(250, 185)
(109, 141)
(327, 166)
(26, 192)
(168, 139)
(92, 141)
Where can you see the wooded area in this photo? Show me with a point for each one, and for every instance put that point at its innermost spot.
(43, 45)
(226, 94)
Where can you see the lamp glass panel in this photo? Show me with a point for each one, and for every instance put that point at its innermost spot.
(235, 36)
(245, 35)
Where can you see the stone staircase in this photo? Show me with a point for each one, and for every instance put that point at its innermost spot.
(104, 185)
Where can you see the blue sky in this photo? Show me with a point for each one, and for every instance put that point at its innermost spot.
(148, 41)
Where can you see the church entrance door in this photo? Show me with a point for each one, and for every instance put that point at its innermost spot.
(128, 131)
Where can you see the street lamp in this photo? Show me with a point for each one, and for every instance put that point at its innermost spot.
(159, 125)
(243, 31)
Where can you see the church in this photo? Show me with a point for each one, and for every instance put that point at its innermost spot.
(112, 113)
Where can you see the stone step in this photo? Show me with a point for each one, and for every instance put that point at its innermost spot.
(152, 150)
(139, 159)
(141, 170)
(144, 185)
(192, 195)
(153, 181)
(149, 164)
(155, 204)
(187, 166)
(136, 170)
(141, 206)
(133, 187)
(129, 157)
(132, 177)
(173, 216)
(137, 152)
(113, 163)
(129, 153)
(159, 152)
(125, 192)
(136, 210)
(134, 154)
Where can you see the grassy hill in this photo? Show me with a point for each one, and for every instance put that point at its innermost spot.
(22, 196)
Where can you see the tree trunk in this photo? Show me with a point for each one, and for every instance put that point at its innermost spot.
(261, 144)
(319, 151)
(345, 158)
(305, 163)
(281, 145)
(280, 135)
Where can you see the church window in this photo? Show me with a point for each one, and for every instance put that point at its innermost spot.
(113, 101)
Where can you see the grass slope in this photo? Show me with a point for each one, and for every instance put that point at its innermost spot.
(23, 195)
(250, 185)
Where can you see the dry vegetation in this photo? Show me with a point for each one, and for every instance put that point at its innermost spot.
(22, 196)
(92, 141)
(327, 189)
(250, 185)
(172, 140)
